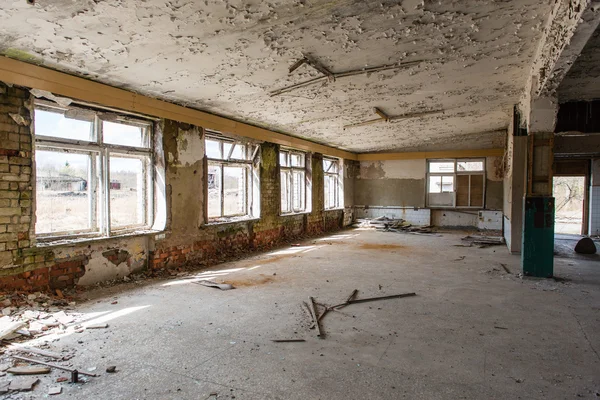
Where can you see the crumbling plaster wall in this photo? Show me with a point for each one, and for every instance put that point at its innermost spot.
(25, 263)
(399, 183)
(185, 237)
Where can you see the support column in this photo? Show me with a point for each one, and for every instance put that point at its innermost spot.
(537, 255)
(595, 199)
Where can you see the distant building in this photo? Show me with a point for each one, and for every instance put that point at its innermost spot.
(50, 180)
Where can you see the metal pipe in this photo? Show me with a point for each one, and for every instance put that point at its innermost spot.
(341, 75)
(32, 360)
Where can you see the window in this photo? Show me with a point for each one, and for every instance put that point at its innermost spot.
(293, 181)
(332, 183)
(456, 183)
(232, 179)
(93, 172)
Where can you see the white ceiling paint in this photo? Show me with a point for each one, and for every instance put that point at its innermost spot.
(225, 57)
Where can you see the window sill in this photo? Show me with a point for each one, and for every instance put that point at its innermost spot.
(296, 213)
(233, 220)
(335, 209)
(73, 240)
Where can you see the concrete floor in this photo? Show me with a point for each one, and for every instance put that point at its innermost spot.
(472, 332)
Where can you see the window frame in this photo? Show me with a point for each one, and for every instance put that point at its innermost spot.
(251, 150)
(455, 173)
(337, 178)
(99, 168)
(289, 170)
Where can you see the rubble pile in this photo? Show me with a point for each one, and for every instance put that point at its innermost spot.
(386, 224)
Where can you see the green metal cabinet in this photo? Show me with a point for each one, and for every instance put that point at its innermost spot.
(537, 253)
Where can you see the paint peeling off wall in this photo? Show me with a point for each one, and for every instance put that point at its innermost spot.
(393, 169)
(108, 260)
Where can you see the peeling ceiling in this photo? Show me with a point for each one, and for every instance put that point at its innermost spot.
(469, 58)
(583, 79)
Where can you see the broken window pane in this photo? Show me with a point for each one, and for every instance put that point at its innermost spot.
(63, 200)
(213, 149)
(234, 181)
(441, 166)
(55, 124)
(126, 188)
(471, 166)
(123, 134)
(214, 191)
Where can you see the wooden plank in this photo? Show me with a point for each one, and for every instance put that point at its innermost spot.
(33, 76)
(431, 154)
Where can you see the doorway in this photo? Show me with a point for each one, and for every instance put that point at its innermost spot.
(569, 195)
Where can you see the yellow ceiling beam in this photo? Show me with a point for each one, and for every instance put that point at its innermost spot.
(33, 76)
(431, 154)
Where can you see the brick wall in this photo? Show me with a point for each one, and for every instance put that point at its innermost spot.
(212, 243)
(189, 240)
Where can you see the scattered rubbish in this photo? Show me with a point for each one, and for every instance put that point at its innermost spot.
(54, 390)
(33, 350)
(500, 327)
(74, 373)
(112, 369)
(96, 326)
(313, 310)
(585, 246)
(114, 302)
(316, 318)
(460, 258)
(222, 286)
(365, 300)
(4, 387)
(8, 326)
(484, 241)
(28, 370)
(506, 268)
(393, 225)
(23, 384)
(287, 340)
(212, 396)
(91, 369)
(62, 379)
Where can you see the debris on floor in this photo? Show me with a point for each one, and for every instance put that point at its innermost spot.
(483, 241)
(386, 224)
(23, 384)
(28, 370)
(222, 286)
(312, 307)
(54, 390)
(585, 246)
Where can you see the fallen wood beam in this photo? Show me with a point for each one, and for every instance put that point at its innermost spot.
(287, 340)
(315, 316)
(395, 296)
